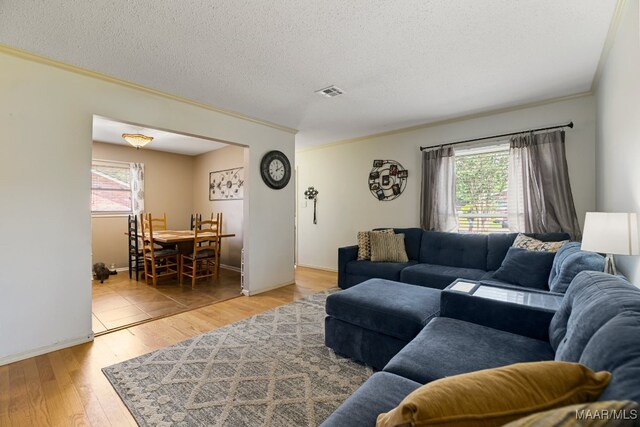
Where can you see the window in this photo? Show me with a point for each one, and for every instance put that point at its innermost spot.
(110, 187)
(481, 189)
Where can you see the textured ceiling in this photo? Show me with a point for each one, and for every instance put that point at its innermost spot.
(110, 131)
(400, 62)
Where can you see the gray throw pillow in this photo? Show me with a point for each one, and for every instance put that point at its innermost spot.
(388, 248)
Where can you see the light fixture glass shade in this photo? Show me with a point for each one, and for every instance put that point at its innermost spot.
(611, 233)
(136, 139)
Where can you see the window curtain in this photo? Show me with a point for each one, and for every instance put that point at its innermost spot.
(137, 187)
(540, 198)
(438, 196)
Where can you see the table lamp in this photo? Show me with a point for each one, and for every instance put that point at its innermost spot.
(611, 234)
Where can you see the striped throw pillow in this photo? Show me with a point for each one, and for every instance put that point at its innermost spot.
(388, 248)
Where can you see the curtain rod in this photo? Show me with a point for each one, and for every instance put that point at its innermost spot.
(569, 125)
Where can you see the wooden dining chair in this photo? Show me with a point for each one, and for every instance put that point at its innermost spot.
(203, 261)
(218, 222)
(159, 223)
(136, 256)
(158, 263)
(194, 218)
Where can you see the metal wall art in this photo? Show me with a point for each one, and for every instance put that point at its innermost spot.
(226, 184)
(312, 194)
(387, 179)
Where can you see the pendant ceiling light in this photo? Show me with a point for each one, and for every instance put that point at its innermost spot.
(136, 139)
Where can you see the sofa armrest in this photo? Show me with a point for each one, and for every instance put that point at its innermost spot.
(532, 322)
(345, 254)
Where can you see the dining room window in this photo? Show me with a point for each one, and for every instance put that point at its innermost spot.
(110, 187)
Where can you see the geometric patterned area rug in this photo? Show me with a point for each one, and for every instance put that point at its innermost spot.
(272, 369)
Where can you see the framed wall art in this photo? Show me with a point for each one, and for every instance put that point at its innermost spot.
(226, 184)
(387, 179)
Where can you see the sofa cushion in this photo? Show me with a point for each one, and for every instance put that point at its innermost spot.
(615, 347)
(392, 308)
(388, 248)
(438, 276)
(498, 244)
(493, 397)
(448, 347)
(412, 241)
(382, 270)
(454, 249)
(570, 261)
(591, 301)
(380, 393)
(526, 268)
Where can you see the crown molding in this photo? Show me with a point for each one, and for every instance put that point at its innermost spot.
(448, 121)
(608, 43)
(110, 79)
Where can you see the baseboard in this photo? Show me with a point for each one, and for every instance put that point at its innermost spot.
(317, 267)
(230, 267)
(249, 293)
(46, 349)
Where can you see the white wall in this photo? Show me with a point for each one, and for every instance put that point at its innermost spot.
(340, 172)
(232, 210)
(46, 120)
(618, 123)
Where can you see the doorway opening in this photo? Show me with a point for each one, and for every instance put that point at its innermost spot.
(183, 176)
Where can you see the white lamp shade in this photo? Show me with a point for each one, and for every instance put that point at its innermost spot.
(611, 233)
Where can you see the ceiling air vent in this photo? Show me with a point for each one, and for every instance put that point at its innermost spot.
(330, 91)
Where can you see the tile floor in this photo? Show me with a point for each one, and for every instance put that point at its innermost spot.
(121, 301)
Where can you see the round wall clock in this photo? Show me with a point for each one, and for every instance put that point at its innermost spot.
(387, 179)
(275, 169)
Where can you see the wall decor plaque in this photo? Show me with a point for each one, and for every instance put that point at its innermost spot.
(226, 184)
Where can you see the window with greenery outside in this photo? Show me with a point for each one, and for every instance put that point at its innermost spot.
(481, 189)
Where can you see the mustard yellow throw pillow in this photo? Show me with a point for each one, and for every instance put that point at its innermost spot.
(493, 397)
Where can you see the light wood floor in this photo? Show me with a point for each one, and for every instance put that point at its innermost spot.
(67, 387)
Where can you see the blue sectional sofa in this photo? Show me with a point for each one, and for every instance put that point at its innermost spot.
(372, 321)
(597, 325)
(435, 258)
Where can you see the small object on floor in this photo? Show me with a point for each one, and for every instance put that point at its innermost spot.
(101, 271)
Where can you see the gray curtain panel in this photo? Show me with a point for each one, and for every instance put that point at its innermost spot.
(438, 196)
(540, 198)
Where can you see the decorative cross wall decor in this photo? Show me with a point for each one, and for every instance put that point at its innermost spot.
(312, 194)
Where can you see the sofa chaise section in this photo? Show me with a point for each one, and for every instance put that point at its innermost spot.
(371, 322)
